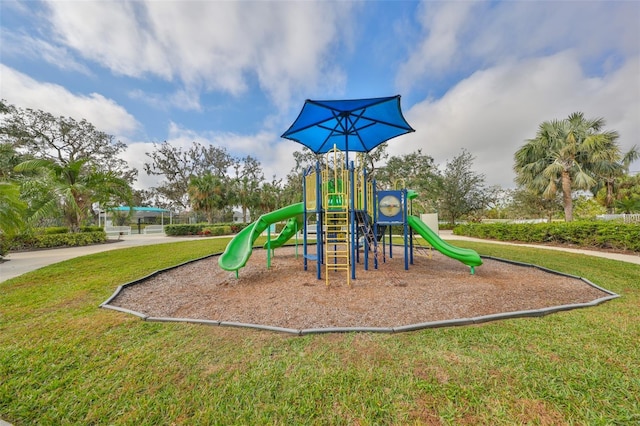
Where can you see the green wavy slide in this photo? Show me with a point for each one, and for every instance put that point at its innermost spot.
(467, 256)
(239, 249)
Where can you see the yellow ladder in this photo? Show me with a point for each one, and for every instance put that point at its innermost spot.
(336, 246)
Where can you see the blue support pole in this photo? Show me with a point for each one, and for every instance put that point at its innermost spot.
(411, 236)
(366, 214)
(374, 184)
(304, 218)
(319, 226)
(405, 229)
(352, 224)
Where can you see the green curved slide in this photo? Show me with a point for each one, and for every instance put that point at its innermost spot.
(239, 249)
(467, 256)
(291, 228)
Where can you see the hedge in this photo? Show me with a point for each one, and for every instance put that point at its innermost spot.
(41, 241)
(608, 235)
(204, 229)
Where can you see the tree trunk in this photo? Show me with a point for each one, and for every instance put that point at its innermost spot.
(566, 196)
(609, 199)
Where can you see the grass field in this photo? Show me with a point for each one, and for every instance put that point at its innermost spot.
(65, 361)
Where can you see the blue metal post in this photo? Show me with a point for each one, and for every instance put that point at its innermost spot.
(366, 214)
(405, 229)
(319, 207)
(352, 224)
(304, 218)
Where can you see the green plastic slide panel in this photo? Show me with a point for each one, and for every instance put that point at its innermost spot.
(290, 229)
(240, 247)
(467, 256)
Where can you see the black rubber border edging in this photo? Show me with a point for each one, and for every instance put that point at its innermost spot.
(399, 329)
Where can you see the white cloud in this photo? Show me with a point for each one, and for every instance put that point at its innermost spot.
(37, 49)
(442, 23)
(23, 91)
(494, 111)
(210, 46)
(459, 37)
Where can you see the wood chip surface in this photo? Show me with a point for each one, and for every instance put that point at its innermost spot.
(434, 288)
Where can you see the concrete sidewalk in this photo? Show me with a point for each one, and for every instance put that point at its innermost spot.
(23, 262)
(630, 258)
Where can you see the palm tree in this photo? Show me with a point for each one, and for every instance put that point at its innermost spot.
(563, 156)
(208, 193)
(12, 209)
(74, 187)
(609, 175)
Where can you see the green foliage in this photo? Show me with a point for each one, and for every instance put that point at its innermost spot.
(200, 228)
(12, 209)
(185, 229)
(463, 191)
(237, 227)
(416, 171)
(92, 228)
(179, 166)
(5, 245)
(73, 188)
(215, 231)
(53, 230)
(584, 234)
(587, 208)
(567, 155)
(41, 241)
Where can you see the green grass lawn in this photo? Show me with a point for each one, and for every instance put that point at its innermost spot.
(65, 361)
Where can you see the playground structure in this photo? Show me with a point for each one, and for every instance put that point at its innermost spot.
(340, 200)
(350, 219)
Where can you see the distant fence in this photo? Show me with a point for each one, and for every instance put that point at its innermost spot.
(153, 229)
(117, 230)
(530, 221)
(626, 218)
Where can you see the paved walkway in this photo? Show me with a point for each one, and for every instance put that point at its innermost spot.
(23, 262)
(630, 258)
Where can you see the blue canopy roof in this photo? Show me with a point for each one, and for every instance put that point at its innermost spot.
(140, 209)
(351, 125)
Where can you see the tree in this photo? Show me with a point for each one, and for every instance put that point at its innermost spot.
(563, 156)
(12, 209)
(209, 193)
(62, 140)
(246, 184)
(416, 171)
(270, 197)
(178, 166)
(526, 203)
(374, 156)
(462, 190)
(73, 188)
(609, 173)
(9, 158)
(628, 194)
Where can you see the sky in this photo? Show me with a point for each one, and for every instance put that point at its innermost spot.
(479, 76)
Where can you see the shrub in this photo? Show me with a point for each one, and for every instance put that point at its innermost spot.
(41, 241)
(237, 227)
(200, 228)
(91, 228)
(54, 230)
(614, 235)
(4, 246)
(185, 229)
